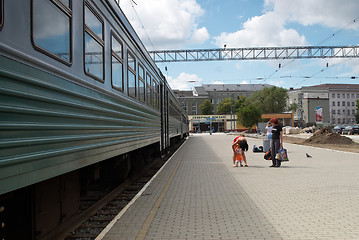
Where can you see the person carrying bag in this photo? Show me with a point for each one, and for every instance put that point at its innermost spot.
(276, 142)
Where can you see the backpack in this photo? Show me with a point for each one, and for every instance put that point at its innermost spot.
(268, 155)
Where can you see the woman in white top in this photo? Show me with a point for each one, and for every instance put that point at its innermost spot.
(269, 128)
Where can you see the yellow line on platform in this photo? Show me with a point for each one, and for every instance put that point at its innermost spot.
(146, 225)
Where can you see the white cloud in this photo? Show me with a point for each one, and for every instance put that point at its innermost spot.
(217, 82)
(170, 24)
(276, 83)
(266, 30)
(331, 13)
(199, 36)
(184, 81)
(270, 28)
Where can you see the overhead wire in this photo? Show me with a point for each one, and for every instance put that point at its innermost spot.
(280, 66)
(142, 26)
(147, 35)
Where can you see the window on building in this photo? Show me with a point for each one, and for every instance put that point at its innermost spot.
(348, 104)
(131, 75)
(141, 83)
(343, 104)
(353, 104)
(338, 120)
(338, 111)
(343, 95)
(353, 111)
(51, 28)
(352, 95)
(194, 108)
(348, 112)
(357, 95)
(148, 89)
(117, 63)
(338, 95)
(94, 44)
(348, 95)
(184, 106)
(333, 111)
(333, 104)
(338, 104)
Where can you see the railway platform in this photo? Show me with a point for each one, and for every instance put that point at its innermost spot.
(199, 195)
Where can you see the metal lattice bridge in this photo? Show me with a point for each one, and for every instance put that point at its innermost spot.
(255, 53)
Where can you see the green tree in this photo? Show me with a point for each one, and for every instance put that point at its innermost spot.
(270, 100)
(228, 104)
(206, 107)
(224, 107)
(239, 103)
(293, 107)
(249, 115)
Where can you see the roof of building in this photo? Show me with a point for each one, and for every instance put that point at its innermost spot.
(234, 87)
(337, 86)
(199, 91)
(328, 86)
(183, 93)
(205, 89)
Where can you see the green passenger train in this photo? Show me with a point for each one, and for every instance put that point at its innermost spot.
(79, 94)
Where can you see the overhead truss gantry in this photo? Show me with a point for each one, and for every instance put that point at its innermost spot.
(255, 53)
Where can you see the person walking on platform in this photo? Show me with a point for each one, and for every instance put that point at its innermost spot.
(276, 142)
(269, 128)
(239, 146)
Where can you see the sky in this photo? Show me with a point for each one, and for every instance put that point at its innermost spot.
(211, 24)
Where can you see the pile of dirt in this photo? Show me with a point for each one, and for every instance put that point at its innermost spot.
(324, 136)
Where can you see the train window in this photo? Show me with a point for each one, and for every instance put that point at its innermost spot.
(51, 29)
(94, 44)
(117, 64)
(1, 13)
(131, 75)
(148, 89)
(155, 94)
(141, 83)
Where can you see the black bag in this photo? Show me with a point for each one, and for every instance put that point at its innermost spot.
(257, 149)
(268, 155)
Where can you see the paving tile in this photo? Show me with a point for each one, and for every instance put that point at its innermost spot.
(204, 197)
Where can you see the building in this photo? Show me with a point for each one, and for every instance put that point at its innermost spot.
(327, 104)
(191, 100)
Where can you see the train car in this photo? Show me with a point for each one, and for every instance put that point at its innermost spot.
(79, 95)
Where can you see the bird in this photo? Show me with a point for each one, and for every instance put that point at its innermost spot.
(308, 156)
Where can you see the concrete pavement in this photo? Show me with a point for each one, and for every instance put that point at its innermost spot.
(199, 195)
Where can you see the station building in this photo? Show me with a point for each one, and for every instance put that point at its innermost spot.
(191, 100)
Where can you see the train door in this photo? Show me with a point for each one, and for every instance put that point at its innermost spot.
(164, 119)
(167, 136)
(163, 134)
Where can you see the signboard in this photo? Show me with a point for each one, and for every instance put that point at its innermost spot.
(316, 95)
(318, 114)
(213, 117)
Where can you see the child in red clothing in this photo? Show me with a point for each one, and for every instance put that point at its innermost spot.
(239, 145)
